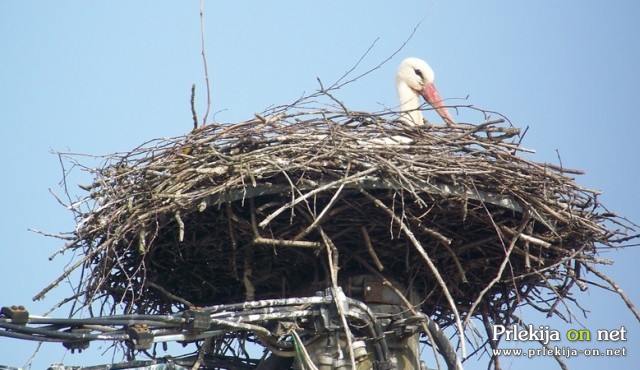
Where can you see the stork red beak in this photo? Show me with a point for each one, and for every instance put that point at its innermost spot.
(431, 95)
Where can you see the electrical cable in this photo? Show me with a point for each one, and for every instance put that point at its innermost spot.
(141, 330)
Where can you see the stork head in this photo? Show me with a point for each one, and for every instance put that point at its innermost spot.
(415, 77)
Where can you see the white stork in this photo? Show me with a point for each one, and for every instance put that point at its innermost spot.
(415, 77)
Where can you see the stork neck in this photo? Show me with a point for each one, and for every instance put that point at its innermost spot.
(409, 105)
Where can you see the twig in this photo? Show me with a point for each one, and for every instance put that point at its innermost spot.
(180, 226)
(168, 294)
(68, 272)
(206, 347)
(204, 62)
(557, 357)
(337, 85)
(338, 295)
(193, 106)
(372, 252)
(617, 288)
(287, 243)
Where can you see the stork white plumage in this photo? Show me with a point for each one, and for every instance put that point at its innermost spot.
(413, 78)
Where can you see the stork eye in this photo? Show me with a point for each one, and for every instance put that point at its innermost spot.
(419, 73)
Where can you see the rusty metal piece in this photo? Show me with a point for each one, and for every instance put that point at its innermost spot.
(77, 344)
(140, 338)
(197, 320)
(18, 314)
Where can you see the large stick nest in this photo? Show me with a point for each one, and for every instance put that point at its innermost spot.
(262, 208)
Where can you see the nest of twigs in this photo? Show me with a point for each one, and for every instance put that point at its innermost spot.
(279, 205)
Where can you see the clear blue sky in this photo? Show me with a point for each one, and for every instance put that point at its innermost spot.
(104, 76)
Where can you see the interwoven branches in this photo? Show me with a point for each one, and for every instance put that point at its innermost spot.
(287, 202)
